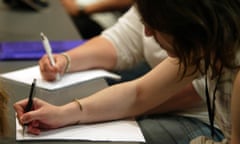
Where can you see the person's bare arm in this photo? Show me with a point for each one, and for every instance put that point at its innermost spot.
(100, 6)
(119, 101)
(132, 98)
(95, 53)
(185, 99)
(70, 6)
(108, 5)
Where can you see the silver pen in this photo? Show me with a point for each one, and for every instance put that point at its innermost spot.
(48, 50)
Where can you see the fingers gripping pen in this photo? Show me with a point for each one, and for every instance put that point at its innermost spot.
(48, 50)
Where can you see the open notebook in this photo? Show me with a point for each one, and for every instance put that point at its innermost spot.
(121, 130)
(26, 76)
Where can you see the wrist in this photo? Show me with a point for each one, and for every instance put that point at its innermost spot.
(71, 113)
(68, 62)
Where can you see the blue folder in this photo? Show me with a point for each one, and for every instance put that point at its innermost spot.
(33, 50)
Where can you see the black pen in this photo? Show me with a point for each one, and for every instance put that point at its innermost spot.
(30, 102)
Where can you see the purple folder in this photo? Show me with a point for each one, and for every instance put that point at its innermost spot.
(33, 50)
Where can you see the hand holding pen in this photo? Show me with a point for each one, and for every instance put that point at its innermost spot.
(48, 50)
(43, 116)
(37, 115)
(30, 102)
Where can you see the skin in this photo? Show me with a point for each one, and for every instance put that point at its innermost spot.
(96, 53)
(101, 6)
(140, 96)
(142, 89)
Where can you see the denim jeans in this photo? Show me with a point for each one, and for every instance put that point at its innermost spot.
(174, 129)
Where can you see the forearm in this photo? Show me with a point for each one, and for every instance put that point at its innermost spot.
(132, 98)
(109, 104)
(105, 105)
(107, 5)
(186, 98)
(95, 53)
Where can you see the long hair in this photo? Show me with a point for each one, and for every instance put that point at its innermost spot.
(4, 126)
(203, 31)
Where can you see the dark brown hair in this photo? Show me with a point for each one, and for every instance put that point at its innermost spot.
(4, 127)
(203, 30)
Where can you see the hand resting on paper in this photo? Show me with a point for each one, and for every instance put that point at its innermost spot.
(44, 116)
(48, 71)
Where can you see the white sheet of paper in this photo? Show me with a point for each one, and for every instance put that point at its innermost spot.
(121, 130)
(27, 75)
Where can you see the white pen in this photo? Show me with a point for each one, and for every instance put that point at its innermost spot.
(48, 50)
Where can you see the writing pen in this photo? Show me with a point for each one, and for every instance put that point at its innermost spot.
(30, 102)
(48, 50)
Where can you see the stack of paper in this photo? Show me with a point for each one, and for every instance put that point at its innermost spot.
(27, 75)
(69, 87)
